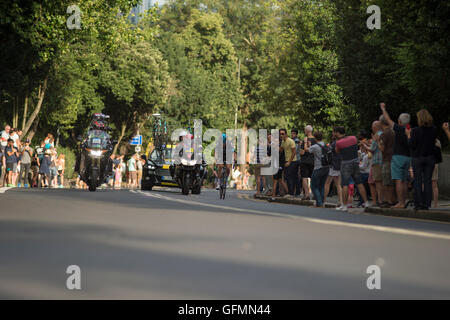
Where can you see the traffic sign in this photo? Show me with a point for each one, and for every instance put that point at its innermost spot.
(136, 140)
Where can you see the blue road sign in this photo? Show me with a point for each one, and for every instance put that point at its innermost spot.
(136, 141)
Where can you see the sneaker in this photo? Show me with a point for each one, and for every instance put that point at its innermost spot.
(18, 185)
(26, 186)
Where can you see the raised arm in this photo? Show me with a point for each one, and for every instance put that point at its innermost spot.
(386, 114)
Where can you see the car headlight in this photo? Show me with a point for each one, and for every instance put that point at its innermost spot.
(96, 153)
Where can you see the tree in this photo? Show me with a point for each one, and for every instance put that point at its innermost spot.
(134, 82)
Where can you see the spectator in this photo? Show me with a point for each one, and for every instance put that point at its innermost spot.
(401, 158)
(347, 146)
(321, 170)
(375, 177)
(245, 178)
(446, 129)
(260, 156)
(35, 170)
(118, 173)
(386, 145)
(306, 162)
(422, 141)
(278, 181)
(288, 147)
(364, 167)
(132, 172)
(44, 169)
(2, 160)
(269, 178)
(61, 163)
(334, 175)
(11, 159)
(298, 186)
(26, 156)
(53, 168)
(139, 166)
(5, 134)
(49, 140)
(14, 135)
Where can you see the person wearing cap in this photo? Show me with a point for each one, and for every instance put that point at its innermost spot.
(44, 169)
(26, 156)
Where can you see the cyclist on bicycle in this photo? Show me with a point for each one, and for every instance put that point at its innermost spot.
(226, 145)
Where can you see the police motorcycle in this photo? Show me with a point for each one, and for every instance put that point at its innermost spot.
(188, 170)
(94, 156)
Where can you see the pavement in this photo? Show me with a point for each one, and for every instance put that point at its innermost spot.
(441, 213)
(160, 244)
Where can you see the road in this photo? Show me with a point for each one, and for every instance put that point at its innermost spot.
(163, 245)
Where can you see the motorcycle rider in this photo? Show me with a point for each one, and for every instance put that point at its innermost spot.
(98, 123)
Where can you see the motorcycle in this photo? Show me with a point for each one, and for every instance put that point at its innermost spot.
(95, 155)
(190, 174)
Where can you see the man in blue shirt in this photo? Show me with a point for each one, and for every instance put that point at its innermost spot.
(401, 158)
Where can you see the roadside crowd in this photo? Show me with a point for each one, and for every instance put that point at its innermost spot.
(23, 166)
(389, 167)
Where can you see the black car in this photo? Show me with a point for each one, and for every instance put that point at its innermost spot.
(156, 171)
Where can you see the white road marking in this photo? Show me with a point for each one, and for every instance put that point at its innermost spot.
(327, 222)
(3, 189)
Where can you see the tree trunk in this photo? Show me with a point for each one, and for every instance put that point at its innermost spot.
(33, 129)
(25, 111)
(122, 134)
(35, 113)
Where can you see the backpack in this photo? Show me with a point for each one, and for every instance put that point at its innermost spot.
(327, 156)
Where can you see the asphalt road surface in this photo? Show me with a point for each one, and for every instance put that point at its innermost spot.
(163, 245)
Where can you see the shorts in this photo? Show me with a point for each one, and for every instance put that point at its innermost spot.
(10, 166)
(376, 173)
(400, 167)
(133, 175)
(334, 173)
(435, 173)
(350, 173)
(258, 169)
(306, 170)
(278, 175)
(386, 174)
(16, 168)
(53, 172)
